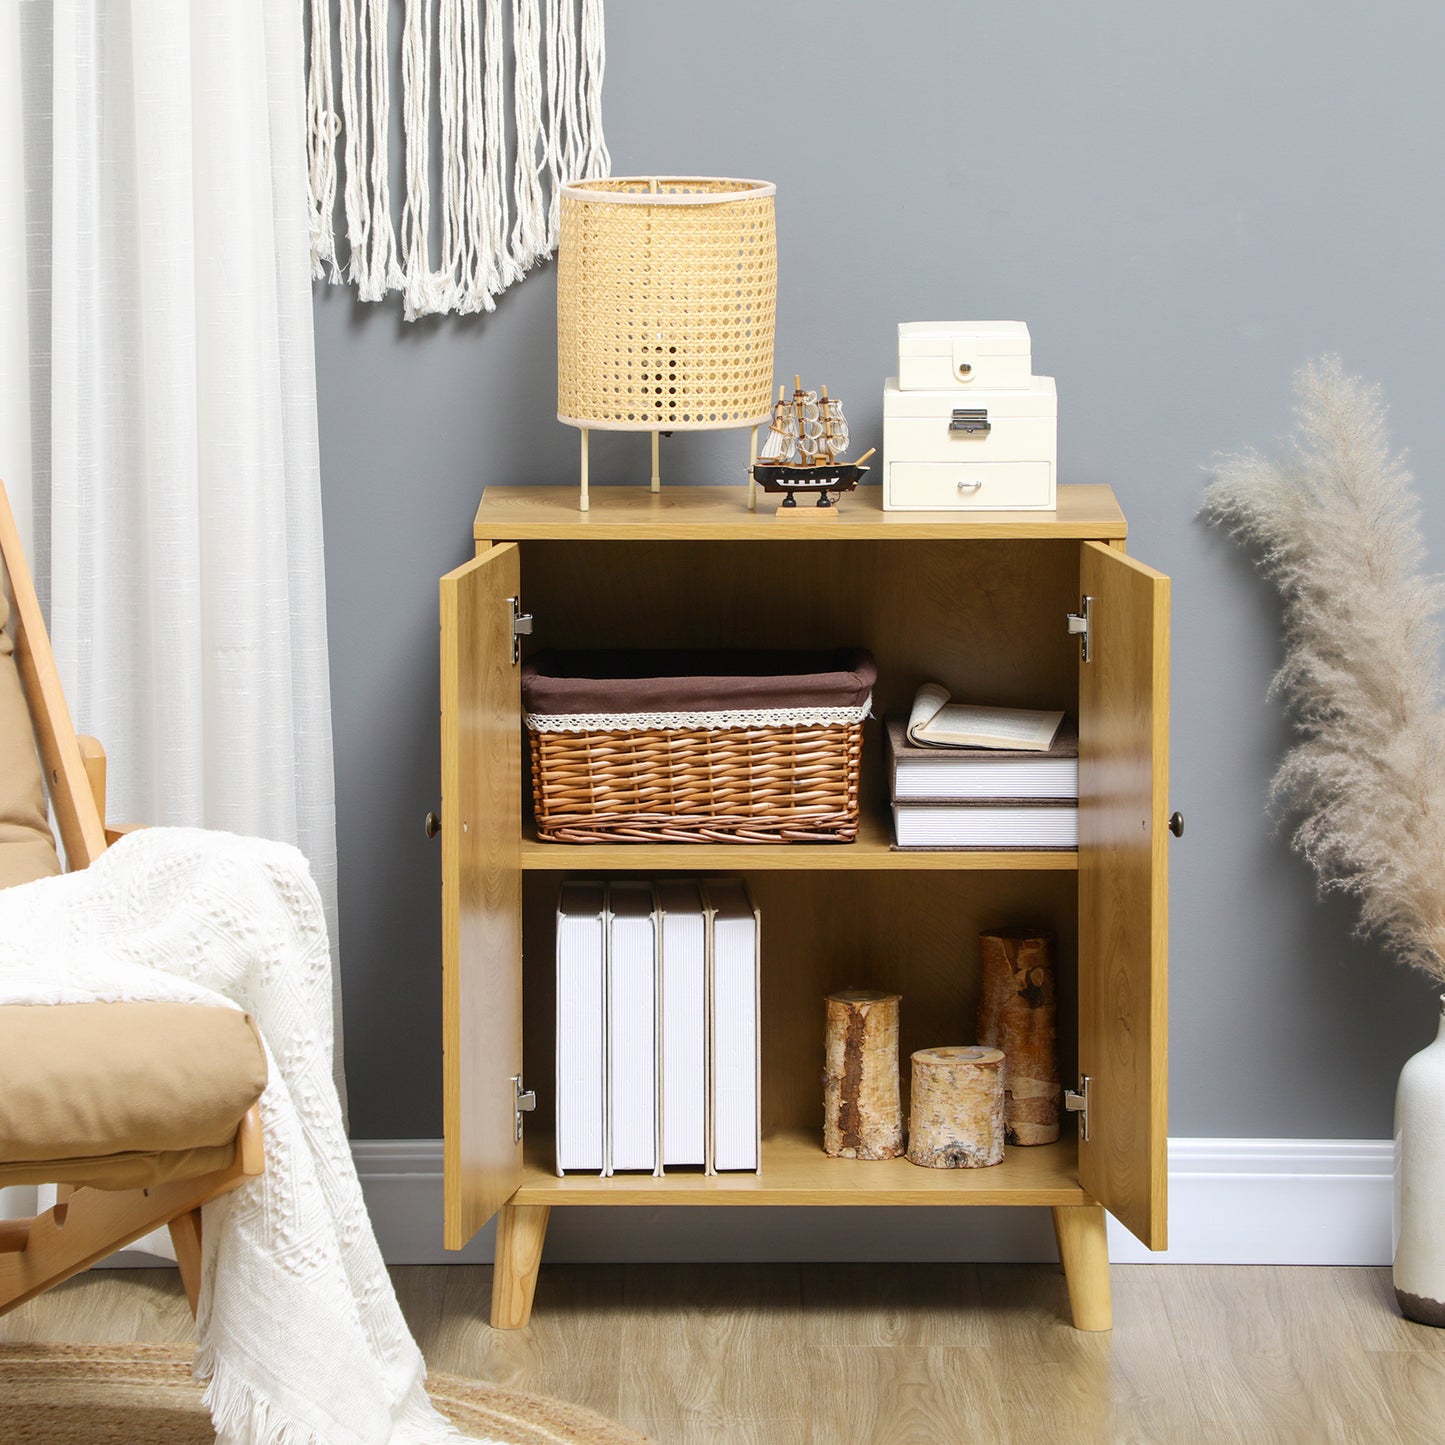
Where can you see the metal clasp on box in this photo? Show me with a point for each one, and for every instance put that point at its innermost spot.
(971, 420)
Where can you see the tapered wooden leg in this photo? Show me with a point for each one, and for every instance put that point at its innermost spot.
(186, 1236)
(1084, 1254)
(521, 1228)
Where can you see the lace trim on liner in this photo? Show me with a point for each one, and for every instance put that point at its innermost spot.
(637, 722)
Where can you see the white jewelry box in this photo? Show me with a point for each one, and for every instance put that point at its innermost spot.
(979, 355)
(986, 450)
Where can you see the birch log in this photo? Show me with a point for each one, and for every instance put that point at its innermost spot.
(956, 1117)
(1018, 1012)
(862, 1116)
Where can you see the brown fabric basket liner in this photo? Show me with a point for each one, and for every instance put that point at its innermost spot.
(641, 681)
(750, 784)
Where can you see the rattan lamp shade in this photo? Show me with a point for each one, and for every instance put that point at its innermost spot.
(666, 303)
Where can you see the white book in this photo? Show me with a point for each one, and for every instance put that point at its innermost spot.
(682, 984)
(937, 775)
(1025, 823)
(581, 1038)
(734, 1051)
(631, 1028)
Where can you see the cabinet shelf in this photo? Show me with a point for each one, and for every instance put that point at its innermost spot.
(872, 850)
(796, 1171)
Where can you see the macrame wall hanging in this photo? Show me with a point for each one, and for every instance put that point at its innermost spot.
(499, 192)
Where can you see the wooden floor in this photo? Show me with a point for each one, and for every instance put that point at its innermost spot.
(888, 1354)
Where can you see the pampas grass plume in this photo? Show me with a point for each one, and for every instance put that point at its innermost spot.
(1335, 526)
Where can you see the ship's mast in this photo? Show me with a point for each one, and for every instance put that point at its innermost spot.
(809, 455)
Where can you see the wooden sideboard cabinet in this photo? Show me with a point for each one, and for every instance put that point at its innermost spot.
(992, 605)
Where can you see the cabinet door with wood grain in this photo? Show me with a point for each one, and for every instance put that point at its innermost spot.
(481, 889)
(1123, 888)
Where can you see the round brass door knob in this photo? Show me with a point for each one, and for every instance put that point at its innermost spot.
(433, 824)
(1176, 824)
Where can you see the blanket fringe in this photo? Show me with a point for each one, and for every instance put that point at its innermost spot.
(242, 1416)
(557, 64)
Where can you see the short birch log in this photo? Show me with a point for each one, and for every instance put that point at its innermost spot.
(1018, 1012)
(956, 1117)
(862, 1116)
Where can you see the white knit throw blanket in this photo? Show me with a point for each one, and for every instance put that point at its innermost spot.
(298, 1329)
(488, 239)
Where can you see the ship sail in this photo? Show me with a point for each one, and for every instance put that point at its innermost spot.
(777, 446)
(781, 442)
(809, 425)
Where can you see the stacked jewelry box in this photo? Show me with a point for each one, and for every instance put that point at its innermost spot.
(966, 423)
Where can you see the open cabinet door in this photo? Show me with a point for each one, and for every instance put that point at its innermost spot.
(1123, 889)
(481, 890)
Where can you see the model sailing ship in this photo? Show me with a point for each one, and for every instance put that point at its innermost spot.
(806, 439)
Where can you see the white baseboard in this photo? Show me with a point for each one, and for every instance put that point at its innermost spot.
(1231, 1201)
(1274, 1201)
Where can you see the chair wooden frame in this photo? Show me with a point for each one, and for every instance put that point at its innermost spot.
(88, 1223)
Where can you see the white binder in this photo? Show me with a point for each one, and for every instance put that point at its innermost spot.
(682, 993)
(581, 1036)
(734, 1053)
(632, 1111)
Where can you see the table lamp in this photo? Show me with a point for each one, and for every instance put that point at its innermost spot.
(666, 305)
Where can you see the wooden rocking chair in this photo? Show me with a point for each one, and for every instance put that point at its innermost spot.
(155, 1145)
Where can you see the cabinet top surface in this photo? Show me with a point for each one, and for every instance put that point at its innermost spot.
(679, 513)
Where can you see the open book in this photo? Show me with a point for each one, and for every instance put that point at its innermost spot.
(937, 722)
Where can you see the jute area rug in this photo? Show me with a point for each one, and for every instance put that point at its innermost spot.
(107, 1394)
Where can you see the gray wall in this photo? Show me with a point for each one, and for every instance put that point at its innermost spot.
(1184, 203)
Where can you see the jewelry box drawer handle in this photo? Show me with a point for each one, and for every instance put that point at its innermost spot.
(970, 420)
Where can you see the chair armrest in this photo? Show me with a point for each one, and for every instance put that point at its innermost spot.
(250, 1148)
(92, 754)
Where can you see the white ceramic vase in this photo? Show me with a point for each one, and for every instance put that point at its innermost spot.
(1420, 1184)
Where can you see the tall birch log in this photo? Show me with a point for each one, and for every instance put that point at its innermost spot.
(956, 1116)
(1018, 1012)
(862, 1116)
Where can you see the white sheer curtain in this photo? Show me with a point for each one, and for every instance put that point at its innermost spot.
(178, 507)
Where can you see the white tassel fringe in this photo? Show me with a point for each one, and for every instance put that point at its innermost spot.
(491, 234)
(241, 1415)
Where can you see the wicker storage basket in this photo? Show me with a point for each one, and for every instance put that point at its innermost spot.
(700, 747)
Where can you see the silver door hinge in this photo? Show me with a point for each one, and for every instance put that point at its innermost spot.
(521, 627)
(524, 1102)
(1079, 623)
(1076, 1101)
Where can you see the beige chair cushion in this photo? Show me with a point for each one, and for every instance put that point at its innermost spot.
(120, 1094)
(27, 850)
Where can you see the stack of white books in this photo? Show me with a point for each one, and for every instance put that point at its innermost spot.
(658, 1046)
(982, 777)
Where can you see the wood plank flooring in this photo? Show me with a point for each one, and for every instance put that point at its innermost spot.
(898, 1354)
